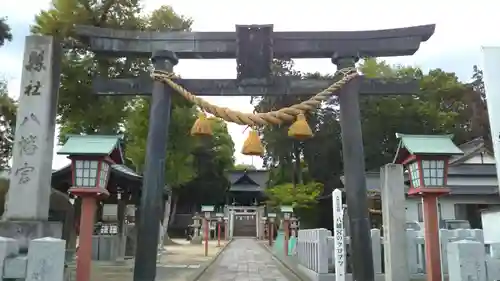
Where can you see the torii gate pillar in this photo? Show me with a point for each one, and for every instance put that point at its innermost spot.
(354, 171)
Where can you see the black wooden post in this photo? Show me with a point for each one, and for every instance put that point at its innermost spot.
(154, 173)
(354, 172)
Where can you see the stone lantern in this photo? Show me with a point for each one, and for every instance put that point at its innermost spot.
(425, 157)
(287, 213)
(196, 239)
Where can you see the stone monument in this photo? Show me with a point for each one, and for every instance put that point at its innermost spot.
(28, 199)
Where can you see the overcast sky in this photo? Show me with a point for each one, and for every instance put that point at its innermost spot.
(462, 27)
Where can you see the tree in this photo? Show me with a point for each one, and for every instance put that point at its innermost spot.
(179, 166)
(480, 124)
(298, 196)
(5, 31)
(8, 110)
(80, 111)
(443, 106)
(213, 157)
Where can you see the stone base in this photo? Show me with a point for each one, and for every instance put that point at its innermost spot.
(196, 240)
(25, 231)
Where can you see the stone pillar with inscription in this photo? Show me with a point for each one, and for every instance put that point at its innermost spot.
(28, 199)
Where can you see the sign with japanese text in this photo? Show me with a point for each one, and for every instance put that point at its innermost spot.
(32, 153)
(338, 233)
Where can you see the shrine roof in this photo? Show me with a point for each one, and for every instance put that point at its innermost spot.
(259, 177)
(90, 145)
(425, 145)
(248, 180)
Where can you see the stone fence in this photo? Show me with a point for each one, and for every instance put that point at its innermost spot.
(315, 253)
(43, 262)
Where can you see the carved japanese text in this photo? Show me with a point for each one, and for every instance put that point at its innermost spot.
(31, 117)
(35, 61)
(24, 173)
(28, 145)
(33, 88)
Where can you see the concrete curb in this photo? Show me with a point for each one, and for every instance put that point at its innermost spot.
(286, 264)
(204, 267)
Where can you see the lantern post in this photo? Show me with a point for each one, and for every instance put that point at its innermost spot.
(220, 220)
(287, 212)
(270, 218)
(90, 175)
(207, 209)
(426, 158)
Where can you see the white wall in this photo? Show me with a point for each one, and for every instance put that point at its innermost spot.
(447, 209)
(448, 205)
(467, 181)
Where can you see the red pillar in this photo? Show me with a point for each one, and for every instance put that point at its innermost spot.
(84, 260)
(431, 228)
(285, 244)
(218, 234)
(206, 237)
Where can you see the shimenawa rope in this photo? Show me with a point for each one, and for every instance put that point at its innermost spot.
(286, 114)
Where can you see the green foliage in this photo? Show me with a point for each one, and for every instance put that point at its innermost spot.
(8, 109)
(299, 196)
(212, 157)
(80, 111)
(444, 105)
(221, 145)
(5, 31)
(179, 166)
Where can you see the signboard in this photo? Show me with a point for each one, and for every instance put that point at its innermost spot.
(286, 209)
(219, 215)
(338, 233)
(271, 215)
(33, 144)
(207, 208)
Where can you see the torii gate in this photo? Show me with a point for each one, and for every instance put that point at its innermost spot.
(254, 47)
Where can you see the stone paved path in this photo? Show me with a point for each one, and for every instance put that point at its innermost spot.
(245, 260)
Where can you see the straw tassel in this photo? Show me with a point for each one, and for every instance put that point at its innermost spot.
(202, 126)
(300, 129)
(253, 145)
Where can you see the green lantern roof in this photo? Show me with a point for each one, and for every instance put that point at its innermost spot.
(425, 145)
(90, 145)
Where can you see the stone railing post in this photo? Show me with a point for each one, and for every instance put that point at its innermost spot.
(412, 248)
(376, 250)
(8, 248)
(322, 254)
(46, 258)
(466, 261)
